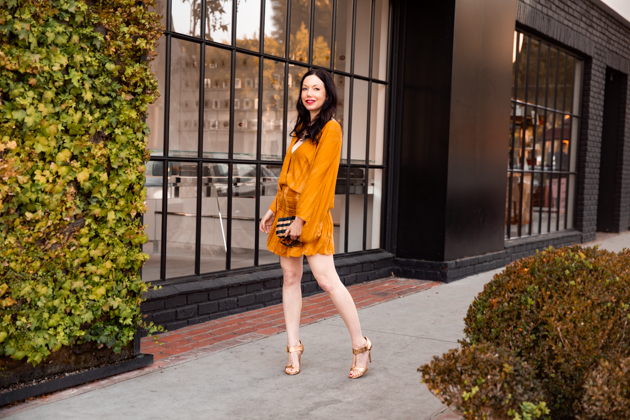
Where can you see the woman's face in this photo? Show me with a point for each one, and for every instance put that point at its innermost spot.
(313, 94)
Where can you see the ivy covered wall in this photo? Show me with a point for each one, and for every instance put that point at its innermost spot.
(74, 88)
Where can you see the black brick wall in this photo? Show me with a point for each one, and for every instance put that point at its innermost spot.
(177, 305)
(587, 27)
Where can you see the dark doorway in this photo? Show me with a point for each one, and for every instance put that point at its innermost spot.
(609, 201)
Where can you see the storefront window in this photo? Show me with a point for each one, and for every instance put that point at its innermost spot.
(229, 75)
(542, 158)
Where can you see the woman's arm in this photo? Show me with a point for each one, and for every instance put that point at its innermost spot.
(319, 190)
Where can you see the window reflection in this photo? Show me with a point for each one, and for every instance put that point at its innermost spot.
(184, 99)
(230, 172)
(543, 138)
(219, 21)
(300, 30)
(248, 25)
(186, 17)
(322, 32)
(275, 27)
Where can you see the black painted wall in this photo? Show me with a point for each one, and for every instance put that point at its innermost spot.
(456, 70)
(425, 113)
(612, 136)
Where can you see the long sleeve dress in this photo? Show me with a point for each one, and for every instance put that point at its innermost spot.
(306, 189)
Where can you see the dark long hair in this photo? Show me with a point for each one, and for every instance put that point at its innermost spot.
(303, 126)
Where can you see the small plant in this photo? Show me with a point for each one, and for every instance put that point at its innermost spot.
(484, 382)
(561, 311)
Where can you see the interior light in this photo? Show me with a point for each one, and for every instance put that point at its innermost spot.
(520, 45)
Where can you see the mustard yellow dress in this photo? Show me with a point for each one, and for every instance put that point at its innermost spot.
(306, 189)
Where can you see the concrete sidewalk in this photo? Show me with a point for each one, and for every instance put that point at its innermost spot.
(247, 381)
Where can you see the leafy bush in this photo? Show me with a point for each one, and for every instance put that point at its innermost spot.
(561, 311)
(484, 382)
(73, 94)
(607, 391)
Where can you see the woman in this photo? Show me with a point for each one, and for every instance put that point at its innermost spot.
(306, 190)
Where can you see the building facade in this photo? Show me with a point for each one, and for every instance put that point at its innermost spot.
(475, 132)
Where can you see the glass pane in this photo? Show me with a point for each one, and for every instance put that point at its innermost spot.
(562, 62)
(295, 79)
(546, 192)
(362, 39)
(539, 131)
(322, 33)
(570, 80)
(272, 112)
(379, 51)
(248, 25)
(375, 204)
(551, 77)
(155, 111)
(186, 17)
(546, 141)
(561, 204)
(269, 188)
(181, 220)
(153, 221)
(522, 69)
(343, 35)
(245, 106)
(339, 212)
(534, 47)
(377, 123)
(343, 109)
(577, 88)
(359, 121)
(537, 203)
(543, 68)
(530, 121)
(216, 103)
(300, 30)
(275, 27)
(214, 217)
(184, 99)
(160, 9)
(570, 202)
(357, 203)
(575, 122)
(219, 21)
(243, 215)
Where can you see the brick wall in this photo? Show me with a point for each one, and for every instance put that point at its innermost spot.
(587, 27)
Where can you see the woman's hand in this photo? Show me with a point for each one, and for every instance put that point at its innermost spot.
(267, 221)
(295, 229)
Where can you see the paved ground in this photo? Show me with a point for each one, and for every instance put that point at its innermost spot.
(233, 367)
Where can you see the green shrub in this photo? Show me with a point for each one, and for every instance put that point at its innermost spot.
(484, 382)
(561, 311)
(74, 90)
(607, 391)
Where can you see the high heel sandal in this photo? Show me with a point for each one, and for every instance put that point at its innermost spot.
(299, 348)
(358, 371)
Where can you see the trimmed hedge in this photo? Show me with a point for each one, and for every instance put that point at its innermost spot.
(74, 90)
(563, 312)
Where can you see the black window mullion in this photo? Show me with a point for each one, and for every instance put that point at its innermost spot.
(168, 18)
(534, 138)
(311, 35)
(349, 161)
(257, 210)
(198, 220)
(370, 64)
(261, 64)
(333, 34)
(285, 111)
(228, 233)
(566, 205)
(553, 140)
(523, 139)
(165, 165)
(354, 30)
(367, 159)
(544, 145)
(287, 38)
(560, 167)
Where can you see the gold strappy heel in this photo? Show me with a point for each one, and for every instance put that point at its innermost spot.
(358, 371)
(299, 348)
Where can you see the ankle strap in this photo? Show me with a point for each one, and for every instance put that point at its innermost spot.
(296, 348)
(367, 347)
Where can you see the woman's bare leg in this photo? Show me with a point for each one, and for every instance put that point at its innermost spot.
(292, 303)
(323, 268)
